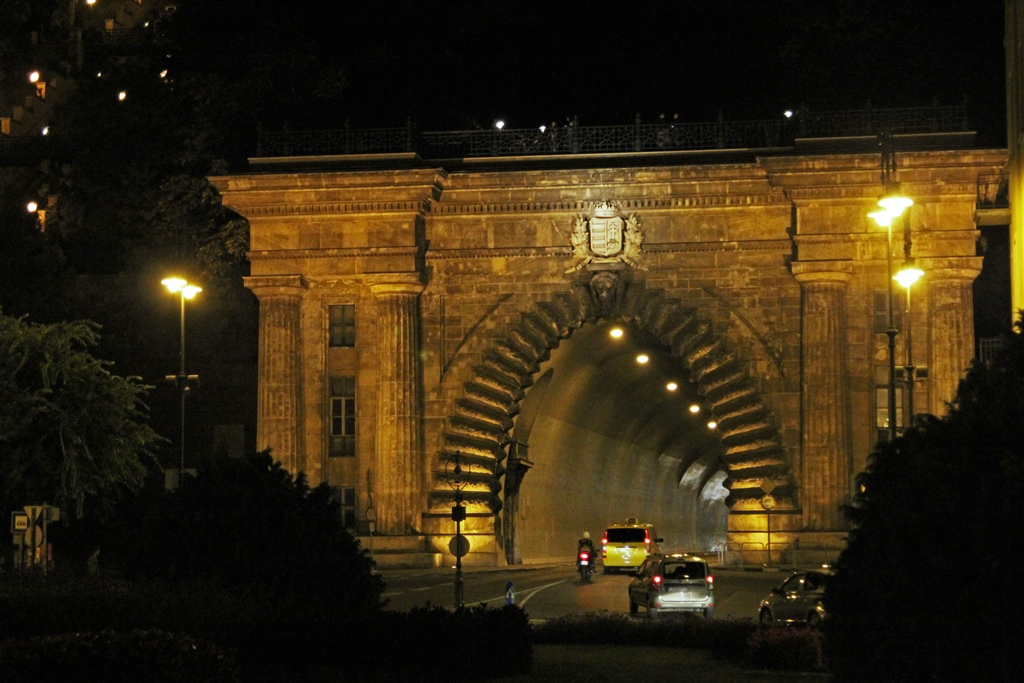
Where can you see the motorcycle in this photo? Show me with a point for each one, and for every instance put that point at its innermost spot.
(585, 560)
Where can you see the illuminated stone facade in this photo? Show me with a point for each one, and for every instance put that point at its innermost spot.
(760, 277)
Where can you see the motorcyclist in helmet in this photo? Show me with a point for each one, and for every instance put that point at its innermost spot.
(585, 542)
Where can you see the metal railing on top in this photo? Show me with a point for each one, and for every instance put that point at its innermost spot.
(638, 137)
(334, 142)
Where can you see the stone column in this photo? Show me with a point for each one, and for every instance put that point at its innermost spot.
(826, 444)
(279, 402)
(950, 328)
(399, 458)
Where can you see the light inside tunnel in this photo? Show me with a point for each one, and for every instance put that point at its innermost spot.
(608, 443)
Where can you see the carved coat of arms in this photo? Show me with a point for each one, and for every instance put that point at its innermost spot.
(606, 237)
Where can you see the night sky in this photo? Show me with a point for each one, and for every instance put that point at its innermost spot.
(460, 65)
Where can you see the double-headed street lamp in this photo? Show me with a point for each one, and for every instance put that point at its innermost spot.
(892, 205)
(185, 290)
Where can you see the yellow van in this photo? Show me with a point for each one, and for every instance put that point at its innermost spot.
(626, 546)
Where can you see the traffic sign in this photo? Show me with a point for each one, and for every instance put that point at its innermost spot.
(19, 522)
(34, 536)
(459, 546)
(33, 512)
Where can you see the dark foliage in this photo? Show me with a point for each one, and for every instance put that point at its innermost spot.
(724, 638)
(71, 433)
(273, 640)
(922, 589)
(792, 649)
(248, 526)
(105, 656)
(433, 644)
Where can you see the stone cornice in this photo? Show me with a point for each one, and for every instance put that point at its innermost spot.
(835, 238)
(355, 252)
(861, 193)
(965, 268)
(730, 245)
(394, 287)
(506, 252)
(628, 205)
(426, 206)
(416, 207)
(809, 272)
(266, 285)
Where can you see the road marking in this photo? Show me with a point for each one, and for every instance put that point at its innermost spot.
(529, 593)
(409, 590)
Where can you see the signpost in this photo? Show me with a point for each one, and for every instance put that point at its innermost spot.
(30, 532)
(768, 502)
(459, 545)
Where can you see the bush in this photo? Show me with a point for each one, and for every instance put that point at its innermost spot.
(792, 649)
(266, 635)
(248, 526)
(434, 643)
(935, 524)
(108, 655)
(723, 637)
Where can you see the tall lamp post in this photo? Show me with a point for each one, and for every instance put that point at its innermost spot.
(892, 205)
(907, 276)
(184, 290)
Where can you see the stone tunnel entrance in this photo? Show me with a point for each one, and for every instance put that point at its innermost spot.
(613, 428)
(643, 412)
(755, 273)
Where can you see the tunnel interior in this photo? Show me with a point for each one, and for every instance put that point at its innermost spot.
(608, 437)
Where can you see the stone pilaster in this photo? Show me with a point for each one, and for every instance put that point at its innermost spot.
(951, 327)
(826, 449)
(279, 403)
(399, 474)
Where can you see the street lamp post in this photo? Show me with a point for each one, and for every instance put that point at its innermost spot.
(907, 276)
(184, 290)
(892, 204)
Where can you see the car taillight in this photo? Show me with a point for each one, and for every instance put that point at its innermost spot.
(710, 580)
(656, 582)
(656, 579)
(604, 540)
(647, 537)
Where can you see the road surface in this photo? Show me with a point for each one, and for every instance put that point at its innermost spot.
(550, 591)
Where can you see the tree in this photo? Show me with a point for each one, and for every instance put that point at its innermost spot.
(928, 584)
(248, 526)
(71, 433)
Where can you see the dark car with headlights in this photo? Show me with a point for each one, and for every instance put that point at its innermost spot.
(675, 583)
(797, 601)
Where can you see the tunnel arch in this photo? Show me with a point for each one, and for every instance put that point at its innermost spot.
(477, 432)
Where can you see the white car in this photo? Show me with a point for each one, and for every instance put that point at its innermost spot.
(673, 583)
